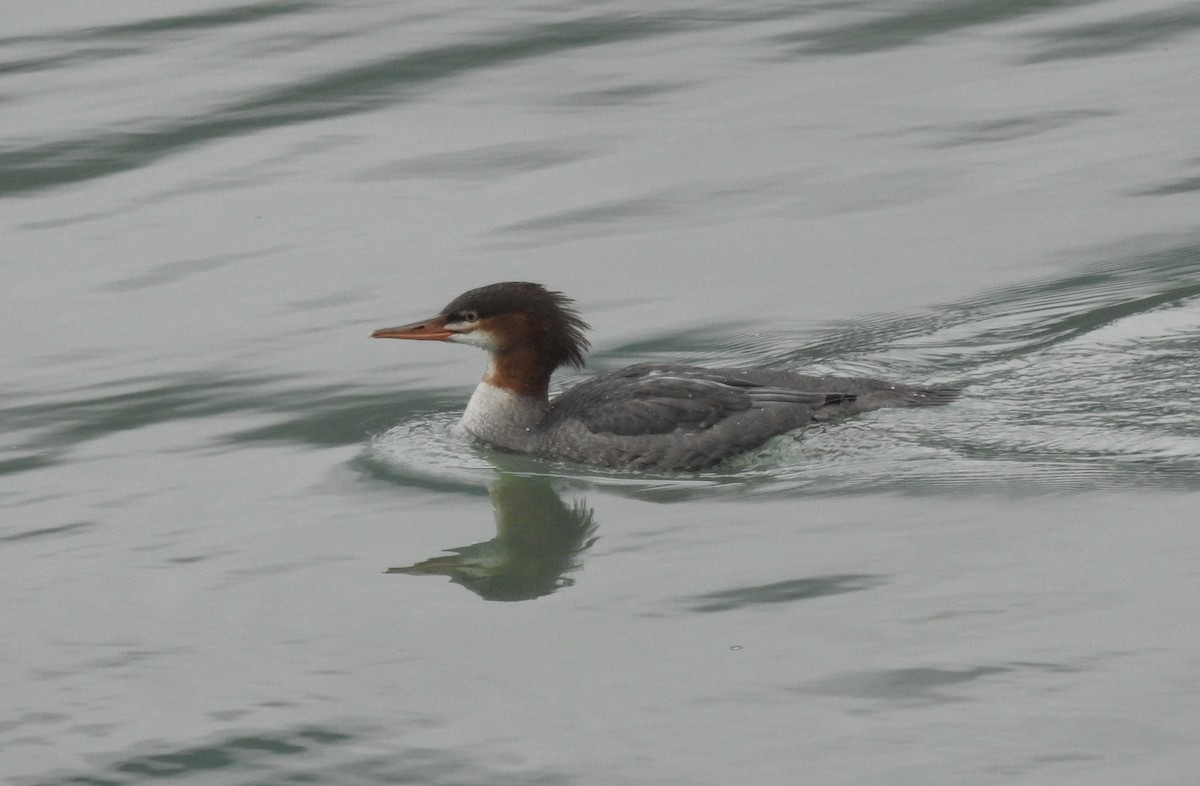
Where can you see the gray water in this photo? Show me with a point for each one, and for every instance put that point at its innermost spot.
(241, 546)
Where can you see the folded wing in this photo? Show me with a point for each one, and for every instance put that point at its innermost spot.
(654, 399)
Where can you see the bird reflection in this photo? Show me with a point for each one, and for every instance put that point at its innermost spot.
(538, 540)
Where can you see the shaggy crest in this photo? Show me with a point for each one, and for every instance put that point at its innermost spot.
(551, 324)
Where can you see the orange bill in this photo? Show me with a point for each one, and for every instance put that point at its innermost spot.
(430, 330)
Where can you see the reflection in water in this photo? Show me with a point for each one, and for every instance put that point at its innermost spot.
(538, 537)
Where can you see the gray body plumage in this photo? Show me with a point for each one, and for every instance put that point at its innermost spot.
(671, 417)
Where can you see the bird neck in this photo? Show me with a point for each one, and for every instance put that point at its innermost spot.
(520, 371)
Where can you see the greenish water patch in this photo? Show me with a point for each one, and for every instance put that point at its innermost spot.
(915, 25)
(321, 416)
(341, 92)
(784, 592)
(1128, 33)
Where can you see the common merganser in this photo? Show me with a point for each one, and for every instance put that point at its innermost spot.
(657, 416)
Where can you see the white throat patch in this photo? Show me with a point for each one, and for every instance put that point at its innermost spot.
(476, 338)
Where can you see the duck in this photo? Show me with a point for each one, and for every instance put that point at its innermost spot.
(659, 417)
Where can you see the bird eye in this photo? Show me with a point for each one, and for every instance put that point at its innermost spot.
(468, 316)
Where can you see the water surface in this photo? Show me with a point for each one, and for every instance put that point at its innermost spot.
(243, 546)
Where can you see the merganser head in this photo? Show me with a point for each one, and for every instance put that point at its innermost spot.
(513, 318)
